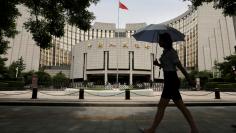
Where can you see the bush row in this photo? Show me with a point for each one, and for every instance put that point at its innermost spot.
(223, 86)
(11, 85)
(20, 85)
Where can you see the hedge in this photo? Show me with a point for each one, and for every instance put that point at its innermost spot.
(11, 85)
(3, 85)
(223, 86)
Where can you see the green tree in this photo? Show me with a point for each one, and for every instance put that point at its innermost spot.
(49, 18)
(60, 80)
(203, 75)
(8, 13)
(21, 66)
(228, 6)
(16, 68)
(44, 79)
(193, 74)
(12, 70)
(28, 77)
(3, 69)
(226, 68)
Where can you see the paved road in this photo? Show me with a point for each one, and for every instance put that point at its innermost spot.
(36, 119)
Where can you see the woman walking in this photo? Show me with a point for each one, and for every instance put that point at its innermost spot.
(168, 62)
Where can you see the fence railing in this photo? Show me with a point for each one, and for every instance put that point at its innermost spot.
(82, 88)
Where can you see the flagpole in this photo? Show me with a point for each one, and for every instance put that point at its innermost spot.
(117, 71)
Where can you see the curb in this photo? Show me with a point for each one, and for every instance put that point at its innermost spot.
(108, 104)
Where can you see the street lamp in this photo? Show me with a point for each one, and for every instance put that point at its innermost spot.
(17, 69)
(234, 69)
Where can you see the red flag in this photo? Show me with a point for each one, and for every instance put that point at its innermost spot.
(122, 6)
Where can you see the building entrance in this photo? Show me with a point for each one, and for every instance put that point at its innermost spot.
(97, 79)
(122, 78)
(140, 78)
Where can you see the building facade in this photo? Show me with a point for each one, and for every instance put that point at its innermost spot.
(187, 23)
(22, 45)
(60, 53)
(234, 20)
(113, 55)
(209, 37)
(216, 36)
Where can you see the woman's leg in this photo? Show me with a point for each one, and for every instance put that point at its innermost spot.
(159, 115)
(187, 115)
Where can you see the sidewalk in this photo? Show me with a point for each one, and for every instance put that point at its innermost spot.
(49, 119)
(58, 98)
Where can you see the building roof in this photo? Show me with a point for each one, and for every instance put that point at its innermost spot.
(134, 26)
(112, 26)
(185, 14)
(104, 26)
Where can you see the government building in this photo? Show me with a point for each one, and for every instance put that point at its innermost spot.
(209, 37)
(114, 55)
(107, 54)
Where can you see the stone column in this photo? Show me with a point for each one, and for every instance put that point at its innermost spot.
(105, 69)
(85, 66)
(131, 55)
(152, 67)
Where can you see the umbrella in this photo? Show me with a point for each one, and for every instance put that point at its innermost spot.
(151, 33)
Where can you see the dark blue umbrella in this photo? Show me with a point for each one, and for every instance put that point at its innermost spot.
(151, 33)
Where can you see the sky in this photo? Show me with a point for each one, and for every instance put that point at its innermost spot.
(139, 11)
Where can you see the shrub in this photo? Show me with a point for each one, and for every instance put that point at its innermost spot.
(44, 79)
(12, 85)
(16, 84)
(231, 85)
(216, 80)
(223, 86)
(60, 80)
(28, 77)
(229, 77)
(184, 83)
(3, 85)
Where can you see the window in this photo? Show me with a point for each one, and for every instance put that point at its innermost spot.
(120, 34)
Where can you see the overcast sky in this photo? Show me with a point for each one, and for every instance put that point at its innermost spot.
(148, 11)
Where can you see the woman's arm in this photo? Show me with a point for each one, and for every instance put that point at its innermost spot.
(156, 63)
(185, 73)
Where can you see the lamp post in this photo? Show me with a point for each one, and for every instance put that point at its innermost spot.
(234, 69)
(17, 70)
(72, 72)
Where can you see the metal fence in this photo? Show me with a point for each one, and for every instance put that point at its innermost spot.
(82, 89)
(155, 86)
